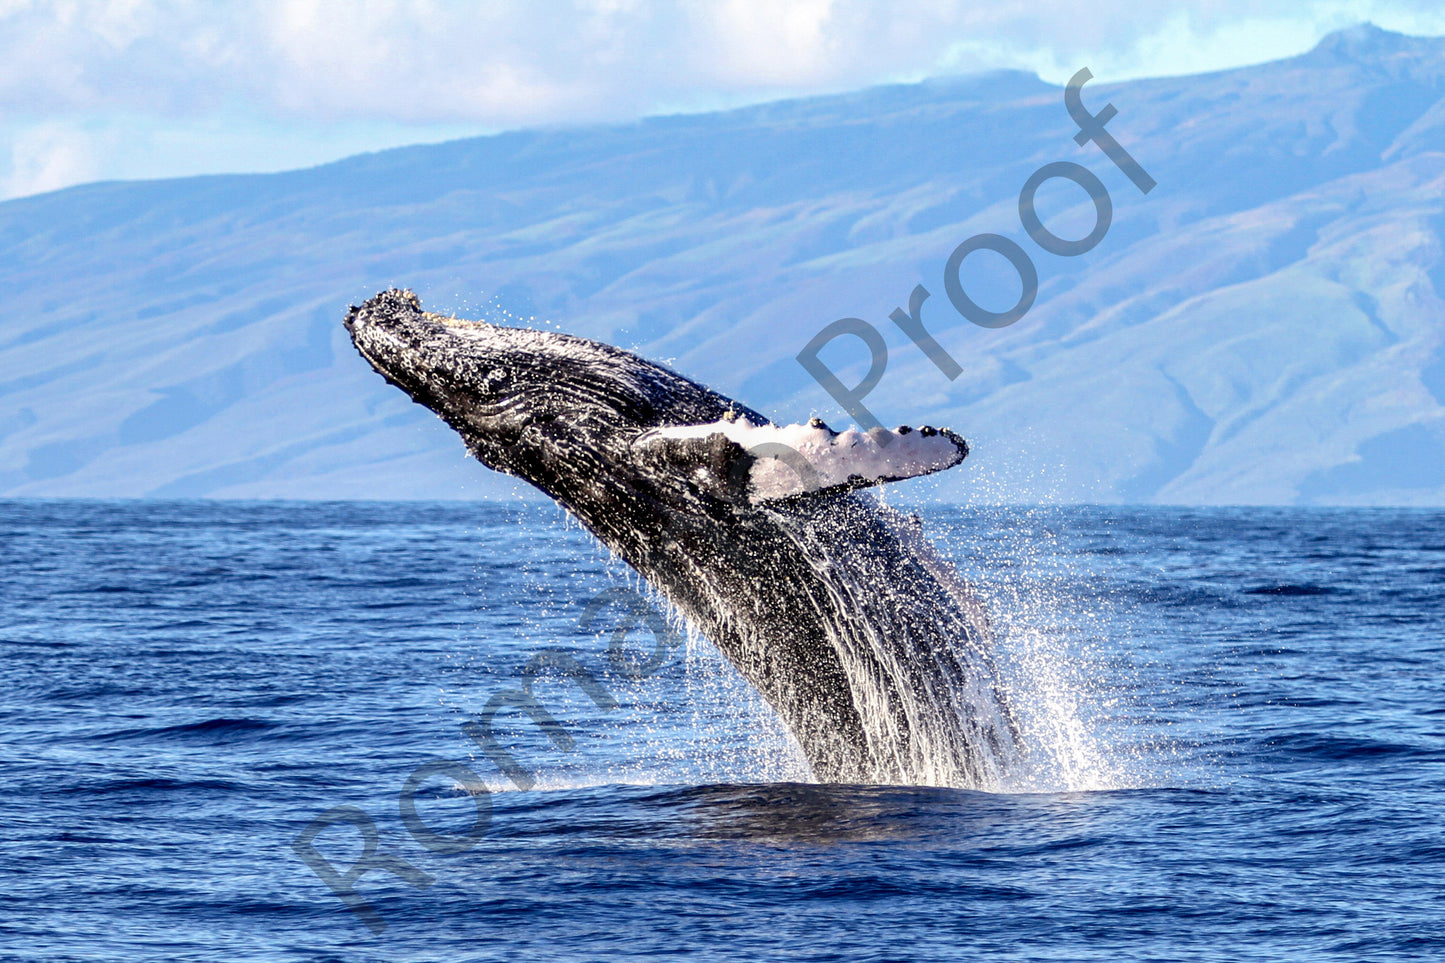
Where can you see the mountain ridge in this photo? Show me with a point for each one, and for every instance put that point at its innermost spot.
(1264, 327)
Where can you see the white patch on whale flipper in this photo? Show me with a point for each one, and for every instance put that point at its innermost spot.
(795, 460)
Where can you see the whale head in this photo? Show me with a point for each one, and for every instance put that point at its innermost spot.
(542, 406)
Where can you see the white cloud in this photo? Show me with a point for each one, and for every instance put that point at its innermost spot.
(49, 156)
(420, 69)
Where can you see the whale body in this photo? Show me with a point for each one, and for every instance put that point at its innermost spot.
(867, 644)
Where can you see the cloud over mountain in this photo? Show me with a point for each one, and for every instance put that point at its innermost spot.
(100, 89)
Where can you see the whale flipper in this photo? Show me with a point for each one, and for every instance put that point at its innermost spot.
(771, 463)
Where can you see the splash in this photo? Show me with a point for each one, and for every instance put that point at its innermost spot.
(1057, 674)
(1062, 675)
(698, 721)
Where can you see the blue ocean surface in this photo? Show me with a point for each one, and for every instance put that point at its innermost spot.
(240, 731)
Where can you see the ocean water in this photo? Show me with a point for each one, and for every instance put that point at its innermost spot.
(219, 716)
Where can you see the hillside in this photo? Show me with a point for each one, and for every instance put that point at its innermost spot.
(1265, 326)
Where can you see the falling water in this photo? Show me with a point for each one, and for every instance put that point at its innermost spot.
(1001, 694)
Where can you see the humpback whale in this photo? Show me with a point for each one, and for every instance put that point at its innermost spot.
(873, 651)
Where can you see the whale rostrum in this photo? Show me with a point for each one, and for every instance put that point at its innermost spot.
(864, 640)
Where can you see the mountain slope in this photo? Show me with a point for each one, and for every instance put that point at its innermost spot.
(1264, 326)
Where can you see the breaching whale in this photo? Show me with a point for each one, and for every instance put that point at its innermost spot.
(872, 650)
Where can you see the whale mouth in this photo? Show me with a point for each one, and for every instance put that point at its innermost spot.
(385, 333)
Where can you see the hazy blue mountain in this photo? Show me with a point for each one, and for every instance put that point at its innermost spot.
(1265, 326)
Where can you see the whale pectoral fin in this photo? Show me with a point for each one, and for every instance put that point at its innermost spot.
(711, 464)
(813, 459)
(767, 463)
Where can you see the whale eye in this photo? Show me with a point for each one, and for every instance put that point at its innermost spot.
(495, 381)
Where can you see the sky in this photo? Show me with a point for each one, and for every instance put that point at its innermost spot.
(94, 90)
